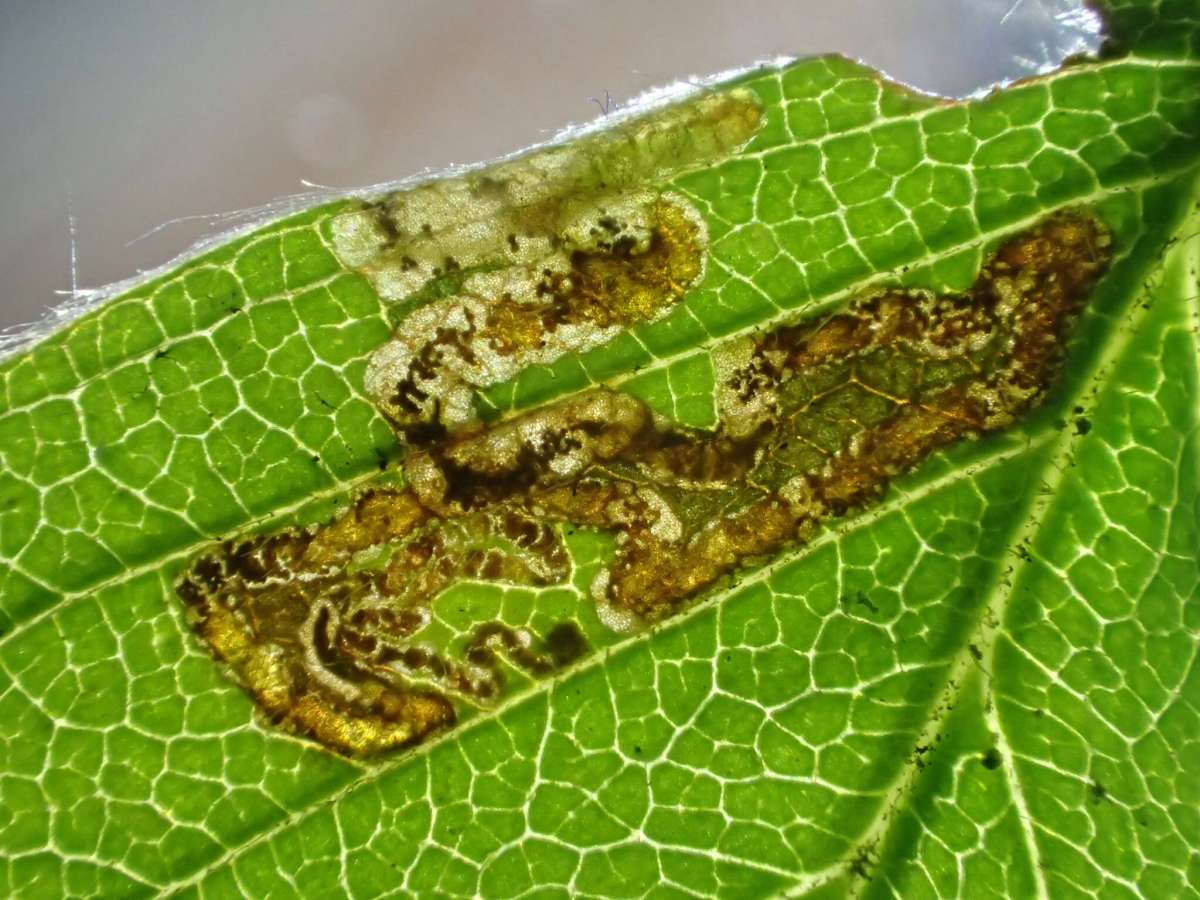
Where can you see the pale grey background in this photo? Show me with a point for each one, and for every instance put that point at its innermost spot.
(126, 115)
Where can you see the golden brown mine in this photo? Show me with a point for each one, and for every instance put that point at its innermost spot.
(816, 418)
(521, 263)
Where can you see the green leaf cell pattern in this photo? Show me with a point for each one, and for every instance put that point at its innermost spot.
(984, 684)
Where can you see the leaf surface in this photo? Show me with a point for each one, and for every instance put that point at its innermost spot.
(985, 683)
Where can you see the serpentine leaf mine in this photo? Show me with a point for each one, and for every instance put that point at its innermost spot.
(556, 253)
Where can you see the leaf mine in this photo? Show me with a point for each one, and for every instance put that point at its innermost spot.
(545, 255)
(322, 625)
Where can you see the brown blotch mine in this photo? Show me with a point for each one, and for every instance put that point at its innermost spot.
(816, 419)
(620, 266)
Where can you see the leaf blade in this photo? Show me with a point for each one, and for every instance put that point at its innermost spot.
(155, 741)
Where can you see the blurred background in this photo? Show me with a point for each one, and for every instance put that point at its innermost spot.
(120, 117)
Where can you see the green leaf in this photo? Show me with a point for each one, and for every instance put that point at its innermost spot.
(984, 683)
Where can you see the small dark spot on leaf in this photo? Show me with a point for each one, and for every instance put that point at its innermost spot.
(863, 600)
(566, 643)
(990, 759)
(860, 865)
